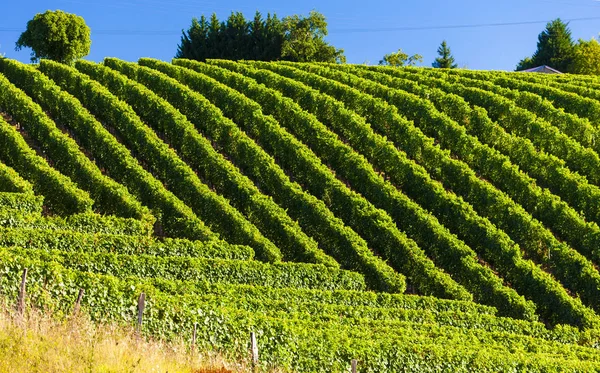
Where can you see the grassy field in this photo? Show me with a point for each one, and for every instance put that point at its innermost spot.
(41, 342)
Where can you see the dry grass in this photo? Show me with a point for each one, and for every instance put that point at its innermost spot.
(41, 343)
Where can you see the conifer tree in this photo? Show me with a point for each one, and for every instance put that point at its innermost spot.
(555, 48)
(445, 59)
(294, 38)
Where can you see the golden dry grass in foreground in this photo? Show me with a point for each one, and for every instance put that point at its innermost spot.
(40, 343)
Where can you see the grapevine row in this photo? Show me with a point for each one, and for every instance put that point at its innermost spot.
(252, 272)
(286, 340)
(372, 224)
(84, 222)
(178, 219)
(67, 240)
(349, 249)
(477, 232)
(23, 202)
(12, 182)
(212, 208)
(563, 261)
(212, 166)
(559, 216)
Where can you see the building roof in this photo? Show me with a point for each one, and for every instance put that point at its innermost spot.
(542, 69)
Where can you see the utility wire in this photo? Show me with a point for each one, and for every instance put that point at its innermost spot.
(336, 31)
(476, 25)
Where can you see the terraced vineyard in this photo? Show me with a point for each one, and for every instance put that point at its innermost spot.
(412, 219)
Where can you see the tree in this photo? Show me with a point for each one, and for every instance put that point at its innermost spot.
(214, 38)
(56, 35)
(295, 38)
(258, 36)
(445, 59)
(273, 38)
(586, 58)
(193, 44)
(304, 40)
(399, 59)
(555, 48)
(525, 63)
(236, 37)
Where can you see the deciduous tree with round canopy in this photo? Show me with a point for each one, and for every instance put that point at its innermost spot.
(586, 58)
(399, 59)
(56, 35)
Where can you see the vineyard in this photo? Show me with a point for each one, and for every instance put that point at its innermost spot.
(412, 219)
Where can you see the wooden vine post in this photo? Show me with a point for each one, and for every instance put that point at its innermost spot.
(194, 336)
(141, 306)
(254, 347)
(78, 302)
(354, 365)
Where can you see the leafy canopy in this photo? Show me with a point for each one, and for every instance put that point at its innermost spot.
(555, 48)
(445, 59)
(586, 58)
(304, 40)
(399, 59)
(294, 38)
(56, 35)
(235, 39)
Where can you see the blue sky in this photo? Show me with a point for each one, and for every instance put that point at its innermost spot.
(131, 29)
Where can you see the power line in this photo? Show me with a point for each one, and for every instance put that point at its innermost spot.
(117, 32)
(443, 27)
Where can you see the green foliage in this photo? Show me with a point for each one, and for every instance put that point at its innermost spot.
(380, 233)
(548, 170)
(555, 48)
(399, 59)
(304, 40)
(56, 35)
(556, 214)
(293, 338)
(336, 239)
(586, 58)
(12, 182)
(295, 38)
(455, 257)
(109, 196)
(24, 202)
(210, 165)
(70, 240)
(176, 217)
(251, 272)
(445, 59)
(473, 185)
(210, 207)
(568, 258)
(63, 197)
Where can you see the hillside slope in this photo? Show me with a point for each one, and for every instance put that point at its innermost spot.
(301, 200)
